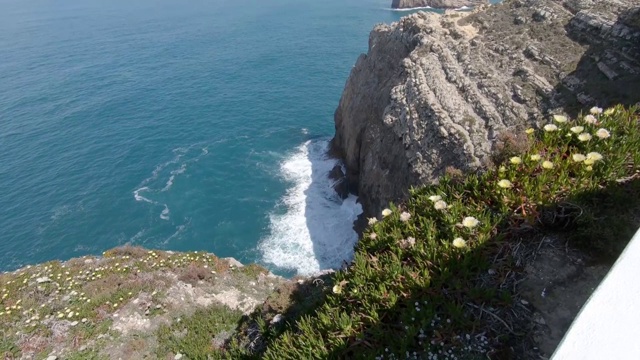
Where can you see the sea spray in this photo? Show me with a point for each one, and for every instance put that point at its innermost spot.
(311, 229)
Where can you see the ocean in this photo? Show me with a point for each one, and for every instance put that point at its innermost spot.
(176, 125)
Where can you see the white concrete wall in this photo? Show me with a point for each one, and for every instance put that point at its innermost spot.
(608, 326)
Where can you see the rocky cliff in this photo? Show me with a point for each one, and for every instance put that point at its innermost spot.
(435, 91)
(438, 4)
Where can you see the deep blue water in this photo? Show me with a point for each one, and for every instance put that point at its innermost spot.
(182, 125)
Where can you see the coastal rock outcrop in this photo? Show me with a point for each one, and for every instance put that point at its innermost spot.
(435, 91)
(437, 4)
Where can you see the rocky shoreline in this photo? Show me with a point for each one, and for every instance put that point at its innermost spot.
(435, 92)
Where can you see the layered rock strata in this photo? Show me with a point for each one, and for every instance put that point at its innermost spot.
(437, 4)
(436, 90)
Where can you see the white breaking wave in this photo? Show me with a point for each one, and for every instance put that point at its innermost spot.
(411, 9)
(174, 173)
(315, 232)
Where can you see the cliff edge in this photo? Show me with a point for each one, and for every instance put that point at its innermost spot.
(435, 91)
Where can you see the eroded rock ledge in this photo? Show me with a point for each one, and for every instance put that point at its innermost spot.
(436, 90)
(438, 4)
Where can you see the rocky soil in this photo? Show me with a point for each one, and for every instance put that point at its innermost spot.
(437, 91)
(130, 303)
(438, 4)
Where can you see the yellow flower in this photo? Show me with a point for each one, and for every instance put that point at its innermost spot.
(470, 222)
(596, 110)
(578, 157)
(560, 118)
(590, 119)
(386, 212)
(584, 137)
(435, 198)
(505, 184)
(502, 169)
(577, 129)
(535, 157)
(530, 131)
(459, 243)
(589, 161)
(372, 220)
(516, 160)
(595, 156)
(603, 133)
(610, 111)
(589, 168)
(547, 165)
(550, 128)
(440, 205)
(337, 289)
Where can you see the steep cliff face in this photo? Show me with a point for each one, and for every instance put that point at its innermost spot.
(435, 91)
(438, 4)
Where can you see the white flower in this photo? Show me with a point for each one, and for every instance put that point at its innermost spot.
(595, 156)
(535, 157)
(584, 137)
(470, 222)
(589, 161)
(373, 236)
(590, 119)
(459, 243)
(505, 184)
(407, 243)
(589, 168)
(372, 220)
(578, 157)
(610, 111)
(596, 110)
(550, 128)
(560, 118)
(435, 198)
(440, 205)
(577, 129)
(502, 169)
(405, 216)
(516, 160)
(603, 133)
(337, 289)
(547, 165)
(386, 212)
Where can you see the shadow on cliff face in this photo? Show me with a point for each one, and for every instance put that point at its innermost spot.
(609, 71)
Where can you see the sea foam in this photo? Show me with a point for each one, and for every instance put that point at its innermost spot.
(312, 227)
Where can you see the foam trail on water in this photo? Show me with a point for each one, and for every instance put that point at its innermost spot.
(174, 173)
(411, 9)
(138, 197)
(315, 231)
(164, 215)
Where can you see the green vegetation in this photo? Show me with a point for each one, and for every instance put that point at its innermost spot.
(428, 278)
(192, 336)
(436, 275)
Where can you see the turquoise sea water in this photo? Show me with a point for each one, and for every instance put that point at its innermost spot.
(181, 125)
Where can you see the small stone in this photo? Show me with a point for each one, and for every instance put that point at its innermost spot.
(74, 323)
(178, 356)
(524, 302)
(52, 357)
(41, 280)
(276, 319)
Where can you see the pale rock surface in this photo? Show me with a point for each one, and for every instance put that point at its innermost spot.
(436, 90)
